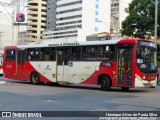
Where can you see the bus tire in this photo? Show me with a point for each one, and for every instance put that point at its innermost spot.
(35, 78)
(125, 88)
(105, 83)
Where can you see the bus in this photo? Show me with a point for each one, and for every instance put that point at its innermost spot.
(125, 63)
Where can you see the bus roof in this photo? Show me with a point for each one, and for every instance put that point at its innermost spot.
(105, 42)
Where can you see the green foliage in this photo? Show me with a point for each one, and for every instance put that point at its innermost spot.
(141, 13)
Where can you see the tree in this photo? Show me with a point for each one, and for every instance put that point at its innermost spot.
(141, 13)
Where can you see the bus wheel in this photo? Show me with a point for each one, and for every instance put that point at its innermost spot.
(105, 83)
(125, 88)
(35, 79)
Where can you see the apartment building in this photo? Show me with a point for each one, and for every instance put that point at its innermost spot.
(36, 20)
(118, 14)
(73, 20)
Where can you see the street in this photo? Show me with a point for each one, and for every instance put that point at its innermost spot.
(23, 96)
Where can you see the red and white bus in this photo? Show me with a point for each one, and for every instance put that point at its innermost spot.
(125, 63)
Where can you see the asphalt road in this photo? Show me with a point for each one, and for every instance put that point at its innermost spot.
(23, 96)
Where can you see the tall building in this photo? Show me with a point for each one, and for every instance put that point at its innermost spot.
(118, 14)
(36, 19)
(70, 20)
(6, 28)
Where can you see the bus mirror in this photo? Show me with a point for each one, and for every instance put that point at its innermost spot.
(138, 51)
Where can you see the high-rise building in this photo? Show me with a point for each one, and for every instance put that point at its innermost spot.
(118, 14)
(36, 19)
(70, 20)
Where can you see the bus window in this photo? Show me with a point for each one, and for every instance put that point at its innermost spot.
(47, 54)
(89, 53)
(1, 61)
(75, 54)
(106, 52)
(10, 56)
(33, 54)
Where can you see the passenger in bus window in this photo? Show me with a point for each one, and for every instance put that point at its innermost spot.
(29, 55)
(52, 56)
(46, 56)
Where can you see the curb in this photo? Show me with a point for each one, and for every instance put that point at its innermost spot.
(2, 82)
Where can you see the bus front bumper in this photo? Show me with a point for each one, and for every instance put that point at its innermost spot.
(145, 83)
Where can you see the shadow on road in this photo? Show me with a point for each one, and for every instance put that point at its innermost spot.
(85, 87)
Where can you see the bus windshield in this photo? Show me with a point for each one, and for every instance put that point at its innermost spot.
(1, 61)
(145, 57)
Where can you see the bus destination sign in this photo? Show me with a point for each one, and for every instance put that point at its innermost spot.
(64, 44)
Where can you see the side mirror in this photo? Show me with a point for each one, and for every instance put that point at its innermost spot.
(138, 51)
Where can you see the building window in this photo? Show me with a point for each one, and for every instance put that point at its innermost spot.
(97, 6)
(96, 12)
(97, 0)
(96, 29)
(96, 19)
(70, 3)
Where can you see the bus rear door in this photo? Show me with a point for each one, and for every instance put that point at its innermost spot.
(62, 64)
(124, 60)
(20, 64)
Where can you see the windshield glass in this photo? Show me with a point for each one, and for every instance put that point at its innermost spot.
(1, 61)
(145, 56)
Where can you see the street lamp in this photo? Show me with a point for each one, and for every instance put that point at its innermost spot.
(107, 27)
(104, 23)
(0, 39)
(133, 24)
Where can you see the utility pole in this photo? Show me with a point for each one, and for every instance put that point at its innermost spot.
(1, 40)
(155, 29)
(156, 19)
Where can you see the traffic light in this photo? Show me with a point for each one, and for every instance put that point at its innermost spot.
(20, 17)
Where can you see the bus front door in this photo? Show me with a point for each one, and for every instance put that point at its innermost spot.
(124, 66)
(62, 64)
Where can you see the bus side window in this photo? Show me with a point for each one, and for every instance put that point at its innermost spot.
(75, 54)
(89, 53)
(112, 52)
(33, 54)
(11, 56)
(46, 56)
(106, 52)
(53, 55)
(29, 55)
